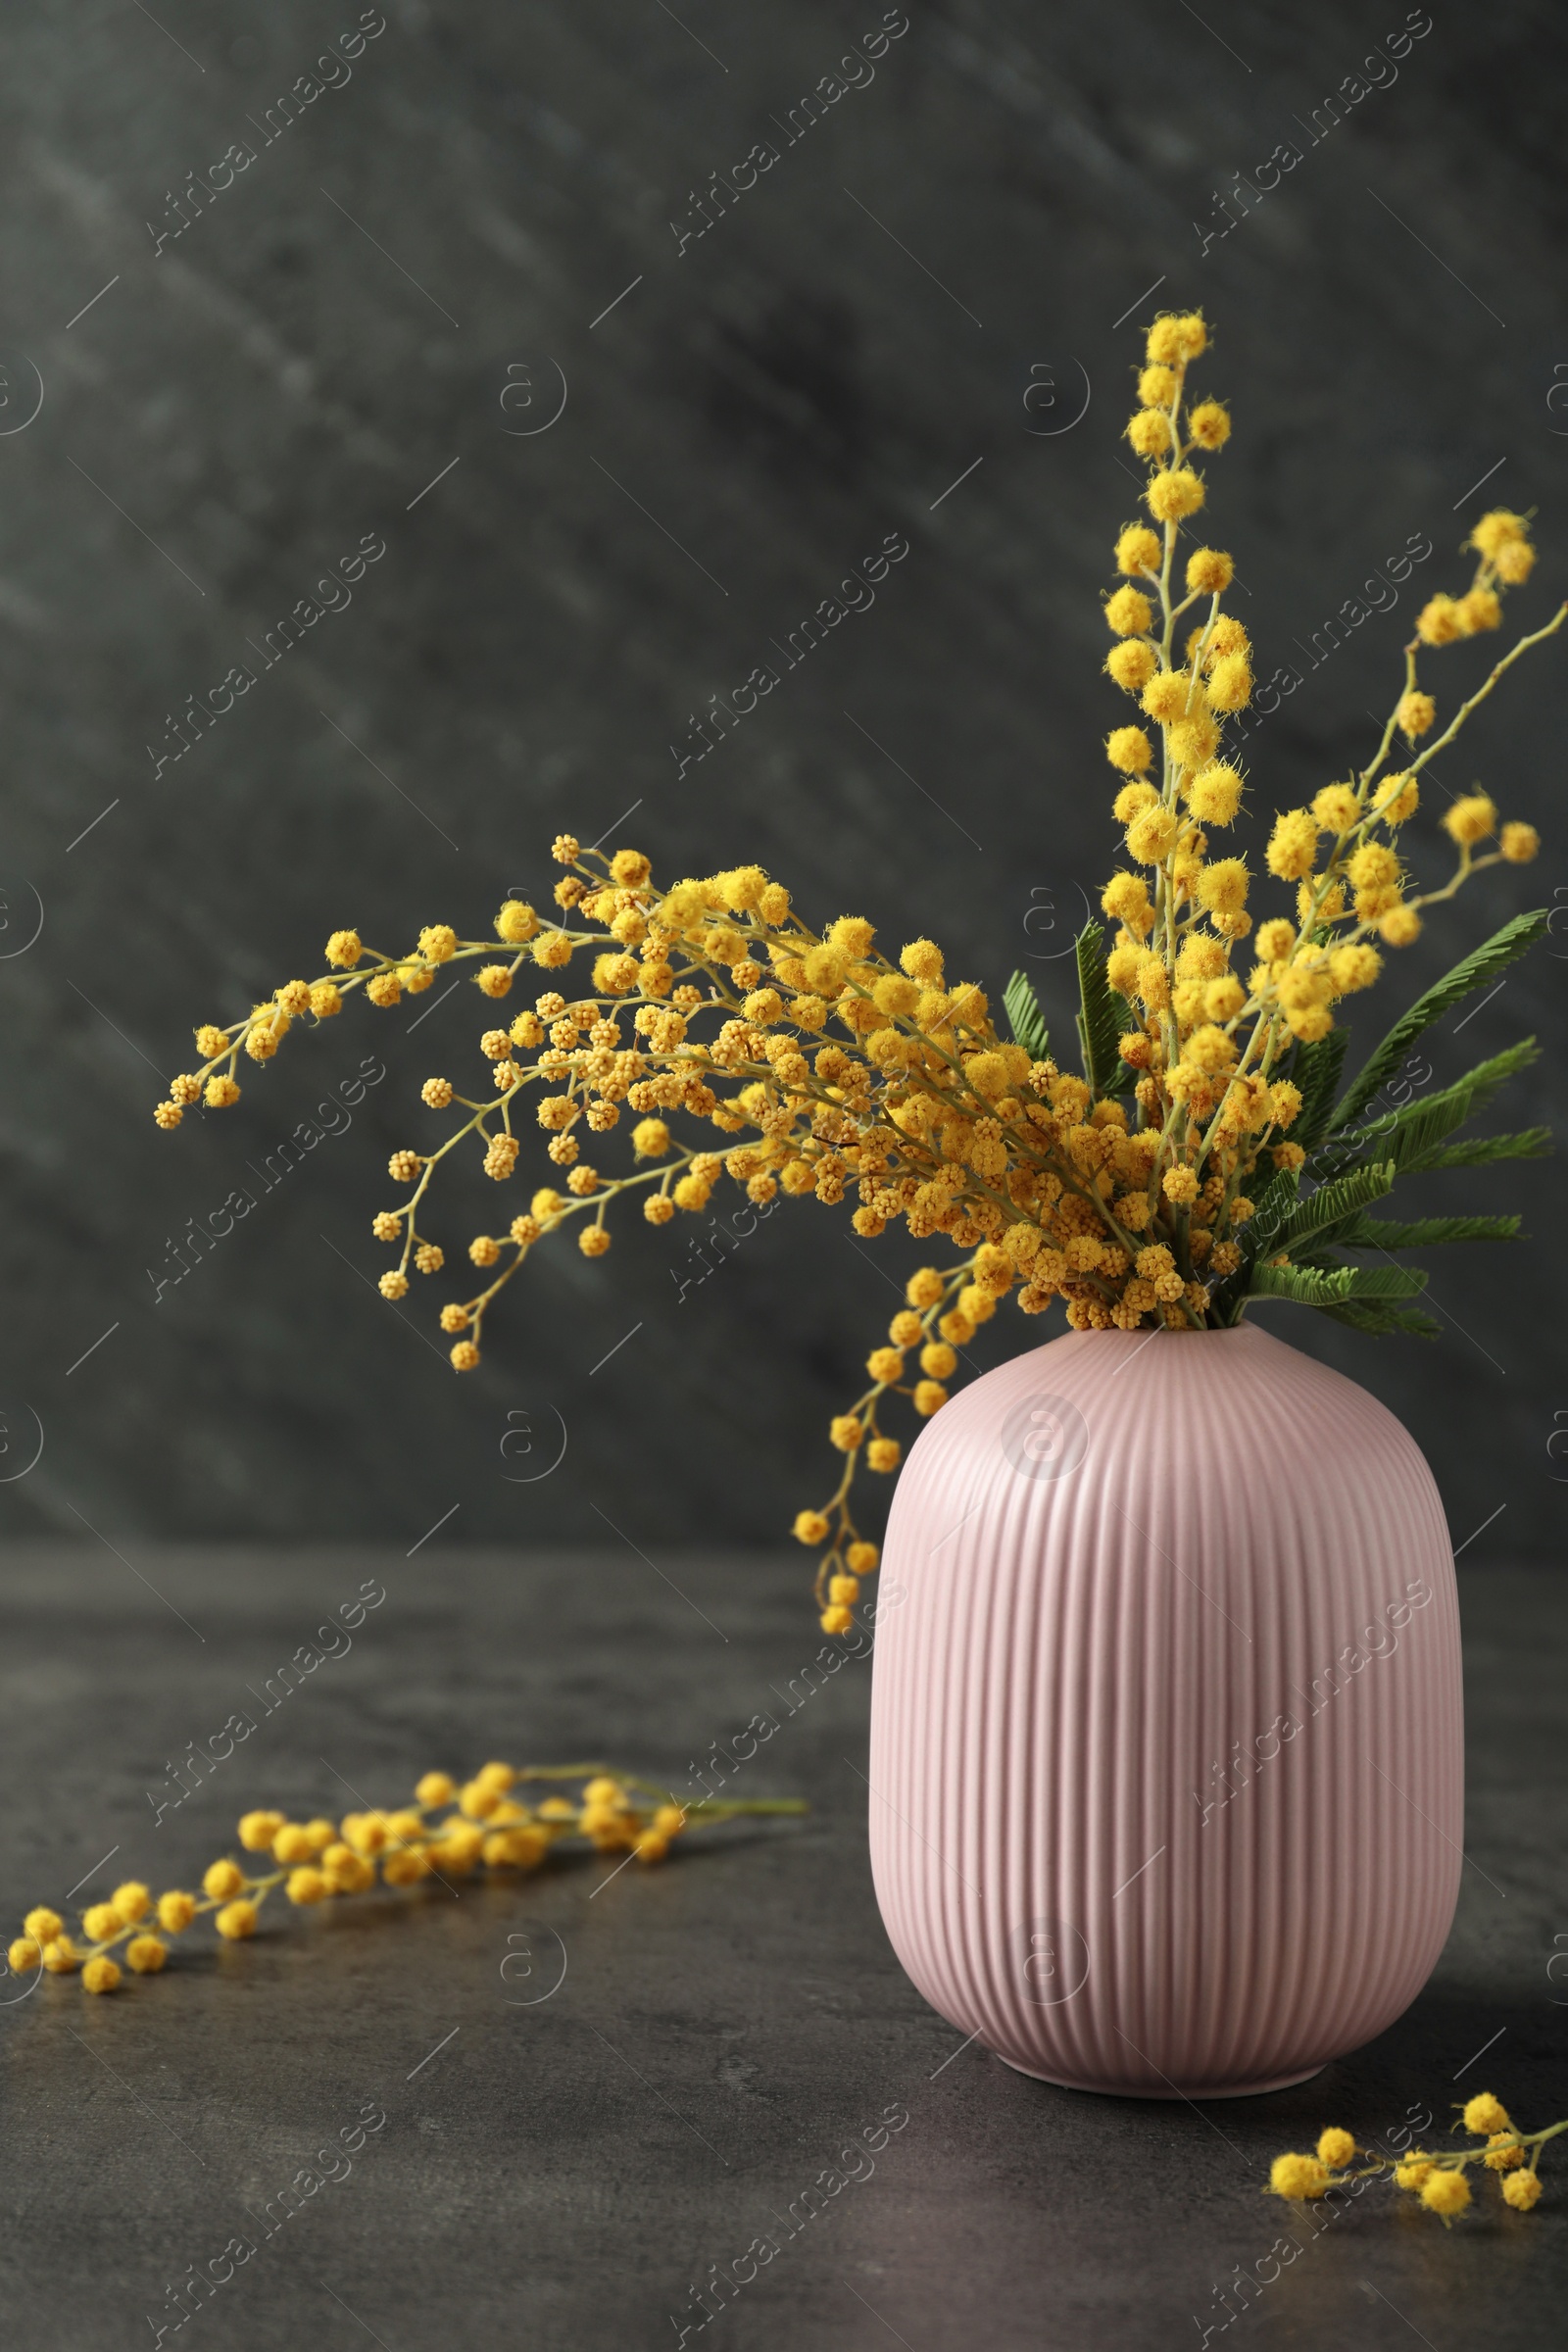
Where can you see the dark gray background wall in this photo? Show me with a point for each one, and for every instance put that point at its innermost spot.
(996, 210)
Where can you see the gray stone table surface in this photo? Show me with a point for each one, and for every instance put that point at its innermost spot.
(561, 2163)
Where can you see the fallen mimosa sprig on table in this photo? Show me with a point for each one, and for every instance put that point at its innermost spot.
(1436, 2175)
(448, 1833)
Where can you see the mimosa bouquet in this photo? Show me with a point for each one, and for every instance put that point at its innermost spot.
(1204, 1153)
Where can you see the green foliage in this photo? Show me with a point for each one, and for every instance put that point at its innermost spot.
(1530, 1143)
(1416, 1132)
(1105, 1017)
(1334, 1286)
(1025, 1018)
(1356, 1165)
(1272, 1209)
(1316, 1070)
(1381, 1232)
(1319, 1216)
(1487, 963)
(1409, 1136)
(1377, 1319)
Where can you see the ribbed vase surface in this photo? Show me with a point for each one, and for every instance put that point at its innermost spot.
(1166, 1719)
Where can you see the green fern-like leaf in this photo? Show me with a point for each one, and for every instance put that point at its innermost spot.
(1103, 1018)
(1334, 1205)
(1024, 1017)
(1302, 1286)
(1409, 1136)
(1421, 1128)
(1355, 1165)
(1377, 1318)
(1426, 1233)
(1416, 1132)
(1316, 1070)
(1272, 1210)
(1480, 1151)
(1486, 963)
(1336, 1286)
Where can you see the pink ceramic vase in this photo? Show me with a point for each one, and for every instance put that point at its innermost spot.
(1166, 1721)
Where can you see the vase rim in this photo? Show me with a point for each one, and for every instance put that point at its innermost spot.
(1142, 1339)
